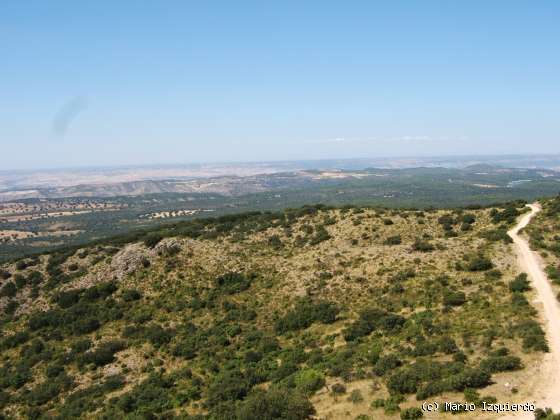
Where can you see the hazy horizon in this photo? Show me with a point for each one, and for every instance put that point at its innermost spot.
(242, 168)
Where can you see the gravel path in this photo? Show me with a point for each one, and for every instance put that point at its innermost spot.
(548, 392)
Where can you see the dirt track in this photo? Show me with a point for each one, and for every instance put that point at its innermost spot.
(547, 393)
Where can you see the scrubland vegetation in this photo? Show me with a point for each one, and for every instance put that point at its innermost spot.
(544, 235)
(336, 312)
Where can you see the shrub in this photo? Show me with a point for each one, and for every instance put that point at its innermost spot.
(546, 414)
(356, 397)
(152, 240)
(85, 325)
(48, 390)
(186, 348)
(14, 340)
(8, 290)
(69, 298)
(393, 240)
(308, 381)
(553, 273)
(274, 404)
(275, 242)
(372, 319)
(447, 345)
(338, 388)
(157, 335)
(104, 353)
(404, 381)
(230, 385)
(386, 364)
(520, 284)
(131, 295)
(453, 298)
(479, 263)
(532, 334)
(320, 235)
(495, 235)
(148, 397)
(496, 364)
(11, 307)
(422, 246)
(412, 413)
(305, 313)
(232, 283)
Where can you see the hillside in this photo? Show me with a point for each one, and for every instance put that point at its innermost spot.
(328, 312)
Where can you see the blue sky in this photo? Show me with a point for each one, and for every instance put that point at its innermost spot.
(132, 82)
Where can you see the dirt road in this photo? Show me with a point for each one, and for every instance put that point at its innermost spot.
(548, 392)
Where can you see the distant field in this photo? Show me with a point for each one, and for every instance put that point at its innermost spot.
(92, 212)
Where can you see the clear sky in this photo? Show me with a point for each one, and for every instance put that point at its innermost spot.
(125, 82)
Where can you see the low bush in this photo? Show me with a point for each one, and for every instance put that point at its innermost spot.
(305, 313)
(372, 319)
(412, 413)
(520, 284)
(274, 404)
(496, 364)
(231, 283)
(103, 354)
(308, 381)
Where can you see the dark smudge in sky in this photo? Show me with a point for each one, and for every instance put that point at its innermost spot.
(66, 115)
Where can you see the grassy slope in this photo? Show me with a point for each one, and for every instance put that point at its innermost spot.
(280, 333)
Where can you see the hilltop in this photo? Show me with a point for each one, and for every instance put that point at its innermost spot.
(315, 311)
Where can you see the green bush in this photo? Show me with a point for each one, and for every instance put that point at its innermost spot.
(533, 335)
(305, 313)
(338, 388)
(520, 284)
(495, 235)
(356, 396)
(103, 354)
(148, 397)
(131, 295)
(546, 414)
(479, 263)
(496, 364)
(372, 319)
(152, 240)
(232, 283)
(274, 404)
(453, 298)
(422, 246)
(404, 381)
(393, 240)
(386, 364)
(308, 381)
(46, 391)
(412, 413)
(8, 290)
